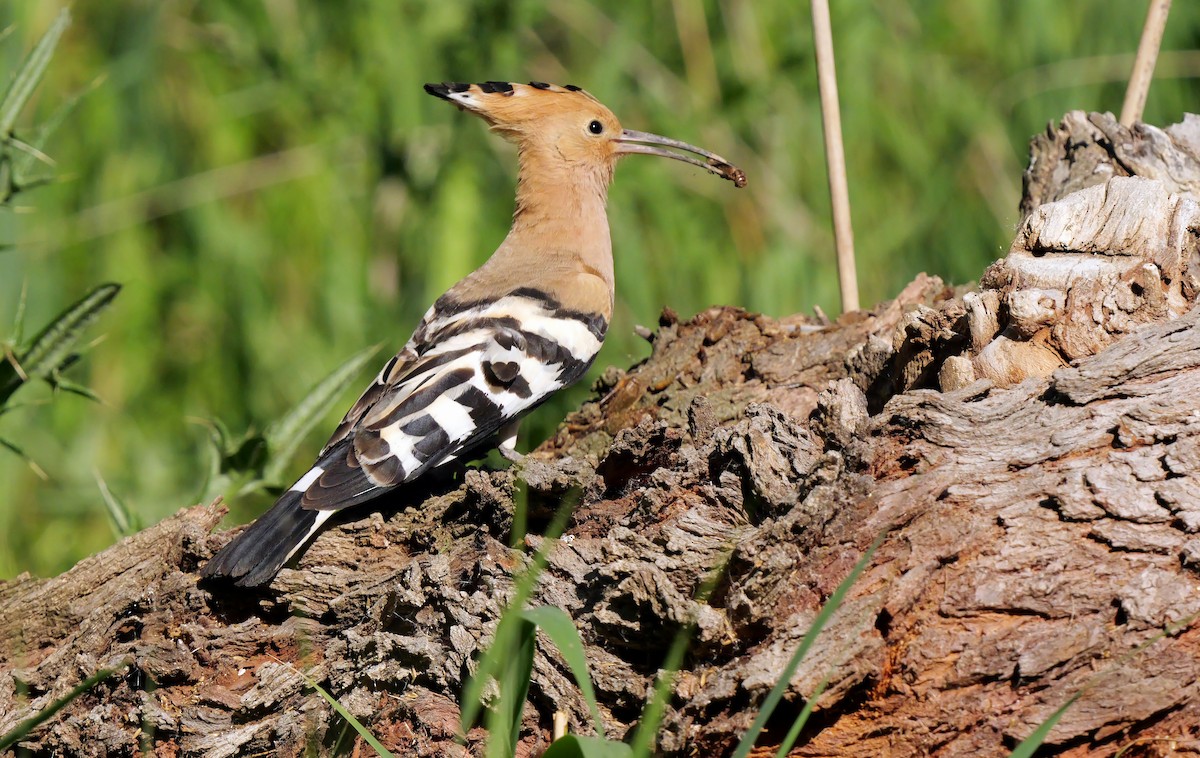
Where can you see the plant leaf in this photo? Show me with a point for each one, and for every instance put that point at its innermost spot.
(578, 746)
(286, 434)
(65, 385)
(647, 728)
(124, 521)
(17, 733)
(12, 448)
(495, 657)
(504, 722)
(31, 73)
(793, 734)
(24, 162)
(520, 673)
(652, 712)
(18, 332)
(363, 732)
(562, 632)
(52, 347)
(1030, 744)
(746, 744)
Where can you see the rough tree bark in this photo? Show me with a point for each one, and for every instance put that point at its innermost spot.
(1033, 445)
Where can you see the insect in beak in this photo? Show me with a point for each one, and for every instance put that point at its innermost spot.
(644, 143)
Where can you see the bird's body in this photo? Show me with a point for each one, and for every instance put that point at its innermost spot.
(527, 323)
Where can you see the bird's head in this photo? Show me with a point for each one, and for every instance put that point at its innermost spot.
(568, 127)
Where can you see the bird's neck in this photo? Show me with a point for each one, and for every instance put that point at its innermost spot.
(561, 215)
(559, 244)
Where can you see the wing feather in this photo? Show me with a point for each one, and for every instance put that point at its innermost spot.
(468, 371)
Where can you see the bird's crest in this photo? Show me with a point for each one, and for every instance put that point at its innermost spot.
(510, 104)
(567, 126)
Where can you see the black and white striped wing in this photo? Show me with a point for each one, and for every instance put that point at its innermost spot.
(467, 373)
(463, 377)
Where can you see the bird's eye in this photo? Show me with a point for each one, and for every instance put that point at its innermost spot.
(595, 127)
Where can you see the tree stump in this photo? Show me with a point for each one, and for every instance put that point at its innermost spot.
(1031, 448)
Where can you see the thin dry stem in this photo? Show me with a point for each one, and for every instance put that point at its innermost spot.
(1143, 64)
(835, 156)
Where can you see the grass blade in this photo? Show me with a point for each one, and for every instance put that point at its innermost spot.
(578, 746)
(1030, 744)
(363, 732)
(29, 151)
(494, 658)
(17, 451)
(286, 434)
(647, 730)
(18, 329)
(64, 385)
(53, 346)
(793, 734)
(17, 733)
(24, 163)
(504, 722)
(124, 521)
(31, 73)
(746, 744)
(562, 632)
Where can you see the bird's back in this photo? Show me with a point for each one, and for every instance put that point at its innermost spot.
(527, 323)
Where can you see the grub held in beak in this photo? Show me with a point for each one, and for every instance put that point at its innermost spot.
(644, 143)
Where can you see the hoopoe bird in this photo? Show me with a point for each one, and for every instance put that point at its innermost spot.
(497, 344)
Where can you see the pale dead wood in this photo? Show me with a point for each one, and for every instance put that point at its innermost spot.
(1044, 519)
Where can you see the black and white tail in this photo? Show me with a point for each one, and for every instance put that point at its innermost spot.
(256, 555)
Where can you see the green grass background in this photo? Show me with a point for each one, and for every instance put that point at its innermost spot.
(275, 191)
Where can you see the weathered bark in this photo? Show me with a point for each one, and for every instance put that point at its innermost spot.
(1032, 446)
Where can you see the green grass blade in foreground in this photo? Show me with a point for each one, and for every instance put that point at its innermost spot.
(54, 344)
(495, 657)
(562, 632)
(578, 746)
(647, 730)
(286, 434)
(341, 711)
(831, 605)
(1030, 744)
(31, 73)
(17, 733)
(643, 738)
(504, 721)
(793, 734)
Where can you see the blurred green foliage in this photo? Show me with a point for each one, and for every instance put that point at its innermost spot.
(274, 192)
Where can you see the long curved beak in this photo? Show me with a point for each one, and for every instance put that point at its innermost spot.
(644, 143)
